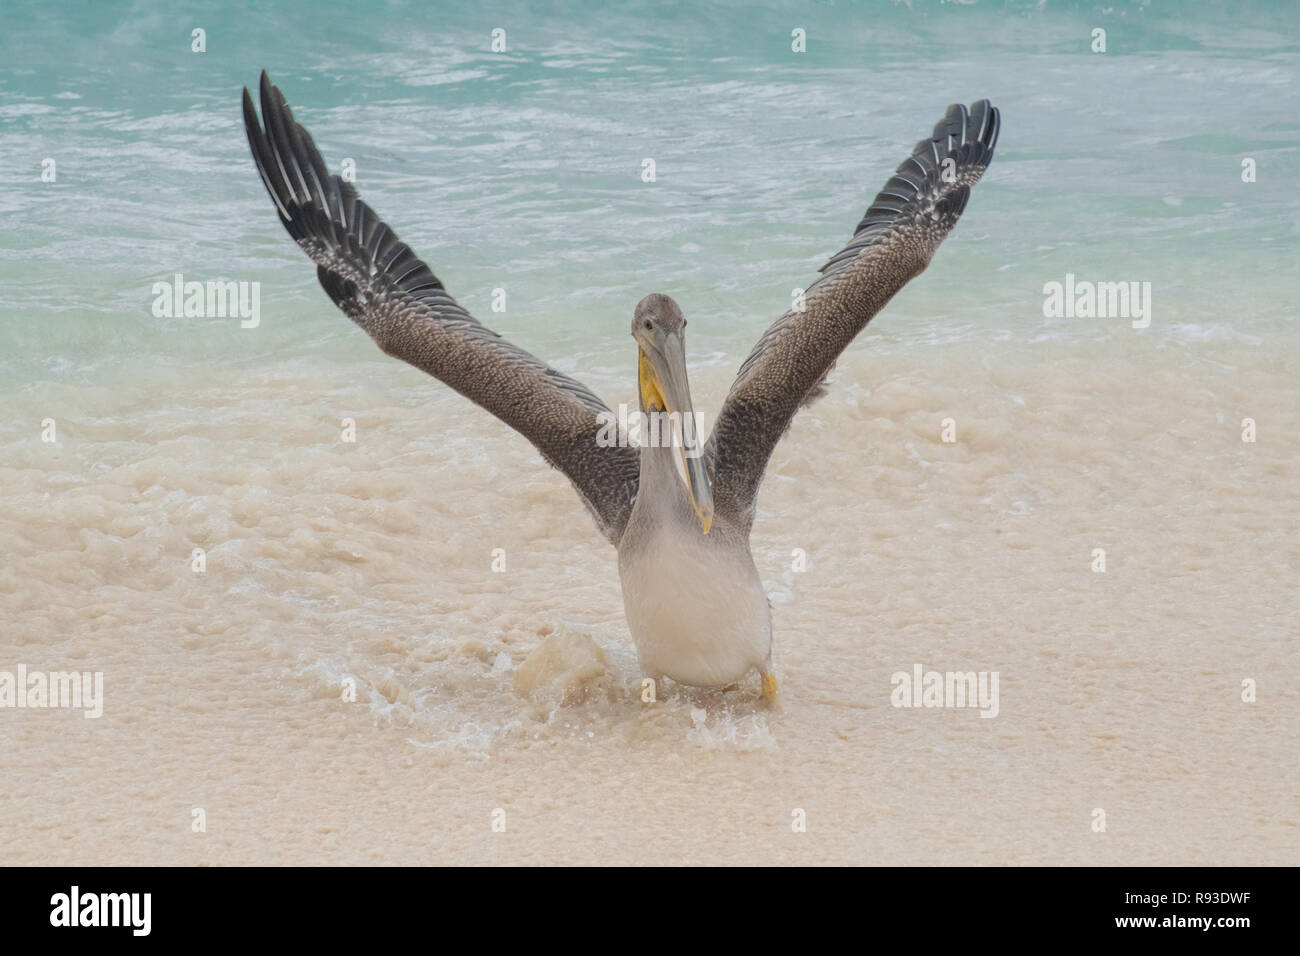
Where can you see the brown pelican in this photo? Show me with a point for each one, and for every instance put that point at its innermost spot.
(694, 601)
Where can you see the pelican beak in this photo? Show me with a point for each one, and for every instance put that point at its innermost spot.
(664, 384)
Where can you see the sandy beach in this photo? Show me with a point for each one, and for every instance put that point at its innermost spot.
(223, 690)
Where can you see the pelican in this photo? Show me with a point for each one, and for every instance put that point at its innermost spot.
(694, 601)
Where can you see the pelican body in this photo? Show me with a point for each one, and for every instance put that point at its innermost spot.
(694, 602)
(694, 599)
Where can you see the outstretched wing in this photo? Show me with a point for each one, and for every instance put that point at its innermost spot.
(386, 289)
(892, 244)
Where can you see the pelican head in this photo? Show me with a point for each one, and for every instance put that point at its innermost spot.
(660, 332)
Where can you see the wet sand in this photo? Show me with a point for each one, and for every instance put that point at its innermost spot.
(372, 562)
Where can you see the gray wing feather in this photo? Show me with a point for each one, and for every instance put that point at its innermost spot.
(892, 244)
(379, 283)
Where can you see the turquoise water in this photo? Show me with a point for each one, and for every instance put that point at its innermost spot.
(522, 169)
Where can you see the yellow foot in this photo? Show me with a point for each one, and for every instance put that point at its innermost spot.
(771, 693)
